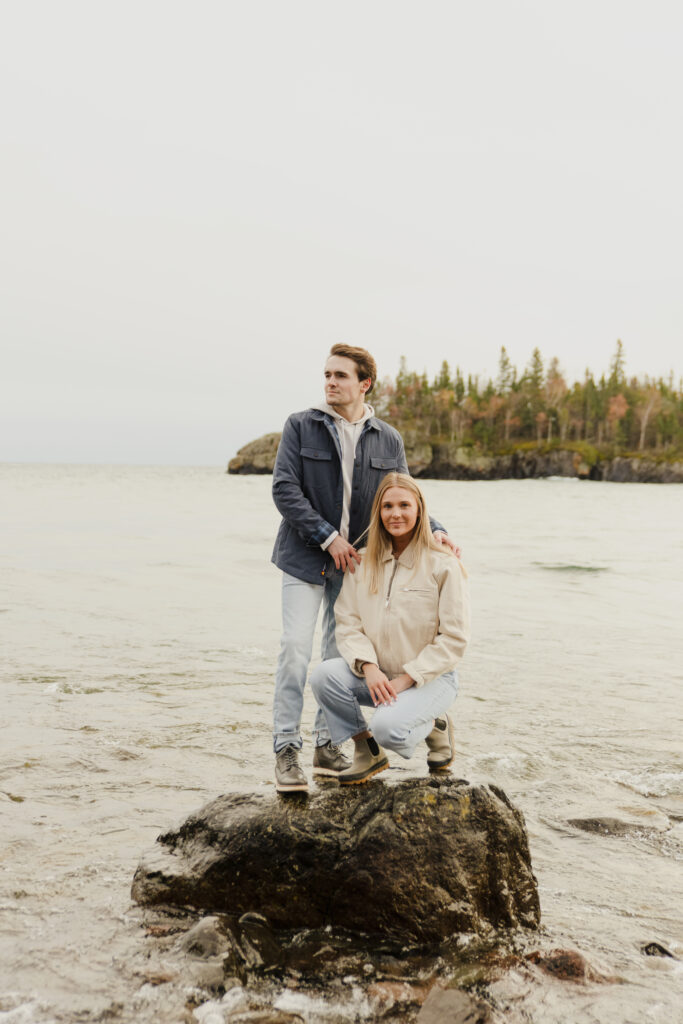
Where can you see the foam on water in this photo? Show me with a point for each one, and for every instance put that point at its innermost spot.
(651, 782)
(351, 1005)
(32, 1011)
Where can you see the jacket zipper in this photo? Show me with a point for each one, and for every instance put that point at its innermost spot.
(386, 603)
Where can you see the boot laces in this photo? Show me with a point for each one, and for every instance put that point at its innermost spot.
(290, 758)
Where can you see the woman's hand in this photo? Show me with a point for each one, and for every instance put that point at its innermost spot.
(402, 682)
(381, 690)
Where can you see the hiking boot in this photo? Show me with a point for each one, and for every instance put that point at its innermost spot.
(368, 760)
(441, 743)
(288, 775)
(328, 759)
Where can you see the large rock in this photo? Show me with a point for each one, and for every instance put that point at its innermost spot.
(420, 861)
(257, 456)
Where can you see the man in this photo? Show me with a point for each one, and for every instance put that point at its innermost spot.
(329, 464)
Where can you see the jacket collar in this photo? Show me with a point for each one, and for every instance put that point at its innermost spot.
(320, 414)
(406, 558)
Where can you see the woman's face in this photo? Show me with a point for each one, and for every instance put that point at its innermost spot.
(398, 511)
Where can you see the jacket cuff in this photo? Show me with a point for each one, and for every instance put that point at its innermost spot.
(413, 671)
(322, 533)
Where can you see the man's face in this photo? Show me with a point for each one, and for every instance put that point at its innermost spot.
(342, 387)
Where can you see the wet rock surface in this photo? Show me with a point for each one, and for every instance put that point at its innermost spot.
(464, 981)
(419, 862)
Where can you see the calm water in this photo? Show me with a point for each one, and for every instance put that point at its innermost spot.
(139, 621)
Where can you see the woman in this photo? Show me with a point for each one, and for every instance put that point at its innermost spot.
(402, 626)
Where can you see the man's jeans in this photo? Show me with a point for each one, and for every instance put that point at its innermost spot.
(300, 606)
(399, 726)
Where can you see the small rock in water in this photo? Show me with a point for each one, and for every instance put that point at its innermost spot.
(566, 965)
(205, 939)
(656, 949)
(611, 827)
(208, 976)
(258, 942)
(452, 1006)
(385, 996)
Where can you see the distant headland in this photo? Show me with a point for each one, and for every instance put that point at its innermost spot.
(525, 425)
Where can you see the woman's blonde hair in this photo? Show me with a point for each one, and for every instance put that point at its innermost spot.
(379, 540)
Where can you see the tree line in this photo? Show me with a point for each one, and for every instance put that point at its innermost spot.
(537, 405)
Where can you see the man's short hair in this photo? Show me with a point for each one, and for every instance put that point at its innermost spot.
(365, 364)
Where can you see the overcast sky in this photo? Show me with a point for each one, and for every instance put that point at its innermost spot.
(198, 198)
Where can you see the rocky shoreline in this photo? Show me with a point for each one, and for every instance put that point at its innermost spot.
(409, 903)
(395, 890)
(451, 461)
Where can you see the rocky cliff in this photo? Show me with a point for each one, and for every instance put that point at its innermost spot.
(456, 462)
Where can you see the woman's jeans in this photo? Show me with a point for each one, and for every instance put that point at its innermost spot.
(300, 606)
(399, 726)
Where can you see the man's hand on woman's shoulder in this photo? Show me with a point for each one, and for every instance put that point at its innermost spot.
(442, 538)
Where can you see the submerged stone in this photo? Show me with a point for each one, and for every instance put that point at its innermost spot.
(612, 827)
(451, 1006)
(657, 949)
(419, 861)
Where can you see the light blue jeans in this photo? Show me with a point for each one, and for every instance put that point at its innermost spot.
(300, 607)
(399, 726)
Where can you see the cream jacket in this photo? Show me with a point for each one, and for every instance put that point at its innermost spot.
(418, 622)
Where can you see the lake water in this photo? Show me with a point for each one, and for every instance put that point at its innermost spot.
(139, 621)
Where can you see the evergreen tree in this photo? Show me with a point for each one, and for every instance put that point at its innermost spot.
(443, 381)
(643, 414)
(617, 376)
(506, 373)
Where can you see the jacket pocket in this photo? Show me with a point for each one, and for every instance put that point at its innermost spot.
(316, 453)
(379, 462)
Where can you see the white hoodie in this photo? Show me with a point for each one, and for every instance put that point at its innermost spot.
(348, 434)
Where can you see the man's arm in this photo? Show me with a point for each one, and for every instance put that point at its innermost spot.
(288, 495)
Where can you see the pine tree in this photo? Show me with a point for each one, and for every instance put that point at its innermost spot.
(506, 373)
(617, 377)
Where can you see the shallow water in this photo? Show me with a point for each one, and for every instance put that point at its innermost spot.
(139, 617)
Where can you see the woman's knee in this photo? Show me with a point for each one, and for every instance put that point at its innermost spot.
(387, 731)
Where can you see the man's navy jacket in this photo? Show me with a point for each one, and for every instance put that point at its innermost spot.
(308, 487)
